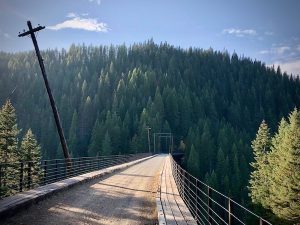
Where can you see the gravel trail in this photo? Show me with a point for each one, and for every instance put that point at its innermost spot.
(127, 197)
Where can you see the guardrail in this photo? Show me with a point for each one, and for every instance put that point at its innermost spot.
(209, 206)
(21, 176)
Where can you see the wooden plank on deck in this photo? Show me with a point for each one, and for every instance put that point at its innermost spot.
(174, 208)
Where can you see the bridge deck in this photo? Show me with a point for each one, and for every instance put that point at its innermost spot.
(126, 197)
(174, 209)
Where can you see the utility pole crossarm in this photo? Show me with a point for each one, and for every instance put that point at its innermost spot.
(63, 142)
(31, 31)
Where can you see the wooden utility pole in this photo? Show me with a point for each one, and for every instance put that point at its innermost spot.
(148, 129)
(63, 142)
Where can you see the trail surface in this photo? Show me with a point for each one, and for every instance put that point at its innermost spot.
(127, 197)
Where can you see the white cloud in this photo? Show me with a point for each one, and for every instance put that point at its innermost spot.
(74, 15)
(71, 15)
(96, 1)
(269, 33)
(281, 50)
(89, 24)
(6, 35)
(276, 50)
(291, 67)
(263, 52)
(239, 32)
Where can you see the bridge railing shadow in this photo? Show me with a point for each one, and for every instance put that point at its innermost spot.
(21, 176)
(209, 206)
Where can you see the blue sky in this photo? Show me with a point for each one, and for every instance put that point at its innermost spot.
(266, 30)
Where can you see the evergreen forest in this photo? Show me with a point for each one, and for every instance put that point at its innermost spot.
(213, 102)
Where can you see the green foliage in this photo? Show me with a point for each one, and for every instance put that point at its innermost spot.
(8, 148)
(275, 181)
(11, 154)
(30, 152)
(106, 145)
(259, 178)
(96, 140)
(72, 140)
(8, 134)
(207, 99)
(192, 163)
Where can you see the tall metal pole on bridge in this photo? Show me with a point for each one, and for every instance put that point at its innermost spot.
(63, 142)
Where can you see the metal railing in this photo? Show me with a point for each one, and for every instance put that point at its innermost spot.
(209, 206)
(21, 176)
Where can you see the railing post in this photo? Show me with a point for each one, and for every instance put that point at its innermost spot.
(90, 164)
(209, 204)
(21, 177)
(188, 186)
(0, 175)
(79, 162)
(197, 197)
(261, 221)
(183, 184)
(29, 178)
(68, 165)
(230, 212)
(181, 179)
(45, 171)
(56, 170)
(5, 175)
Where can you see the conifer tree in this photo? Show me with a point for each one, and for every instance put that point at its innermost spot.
(106, 145)
(8, 133)
(285, 185)
(96, 140)
(275, 181)
(258, 187)
(8, 147)
(30, 154)
(221, 170)
(72, 140)
(193, 162)
(30, 150)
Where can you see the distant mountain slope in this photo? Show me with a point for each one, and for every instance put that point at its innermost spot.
(107, 95)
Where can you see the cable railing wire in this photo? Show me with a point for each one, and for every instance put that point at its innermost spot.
(207, 204)
(21, 176)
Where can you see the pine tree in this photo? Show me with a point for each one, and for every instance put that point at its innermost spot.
(106, 145)
(285, 185)
(8, 147)
(73, 138)
(8, 134)
(221, 171)
(258, 184)
(96, 140)
(213, 180)
(133, 148)
(236, 178)
(30, 154)
(193, 162)
(30, 150)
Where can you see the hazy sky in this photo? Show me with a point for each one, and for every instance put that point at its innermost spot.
(267, 30)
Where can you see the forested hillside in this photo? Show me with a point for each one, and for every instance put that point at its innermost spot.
(107, 95)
